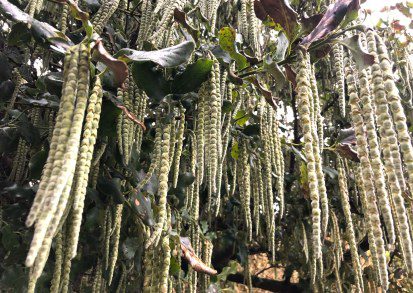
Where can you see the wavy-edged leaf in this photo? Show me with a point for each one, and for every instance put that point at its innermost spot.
(275, 71)
(167, 57)
(180, 17)
(43, 33)
(346, 145)
(226, 36)
(333, 17)
(118, 67)
(194, 261)
(142, 207)
(266, 93)
(280, 13)
(361, 57)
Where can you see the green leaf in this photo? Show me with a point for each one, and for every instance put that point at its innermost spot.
(282, 46)
(19, 35)
(167, 57)
(331, 172)
(142, 207)
(151, 80)
(129, 247)
(275, 70)
(174, 267)
(241, 117)
(111, 188)
(36, 164)
(228, 270)
(193, 76)
(9, 239)
(235, 151)
(226, 38)
(107, 126)
(185, 179)
(252, 129)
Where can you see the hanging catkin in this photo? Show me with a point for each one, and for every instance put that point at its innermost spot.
(337, 53)
(54, 193)
(367, 174)
(166, 20)
(105, 12)
(115, 240)
(399, 117)
(54, 288)
(163, 186)
(314, 114)
(303, 103)
(384, 121)
(213, 131)
(145, 22)
(84, 161)
(269, 201)
(374, 152)
(166, 256)
(345, 204)
(245, 187)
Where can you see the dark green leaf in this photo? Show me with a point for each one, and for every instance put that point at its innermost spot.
(252, 129)
(7, 89)
(148, 78)
(129, 247)
(53, 82)
(193, 76)
(9, 239)
(36, 164)
(111, 188)
(142, 207)
(107, 126)
(29, 132)
(5, 72)
(42, 32)
(19, 35)
(185, 179)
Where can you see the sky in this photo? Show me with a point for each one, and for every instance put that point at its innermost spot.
(375, 6)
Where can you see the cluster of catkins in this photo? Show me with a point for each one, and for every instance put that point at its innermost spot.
(62, 187)
(384, 148)
(226, 164)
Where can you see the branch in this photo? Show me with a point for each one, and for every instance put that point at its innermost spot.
(266, 284)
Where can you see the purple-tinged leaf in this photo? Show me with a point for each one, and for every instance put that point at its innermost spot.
(333, 17)
(281, 13)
